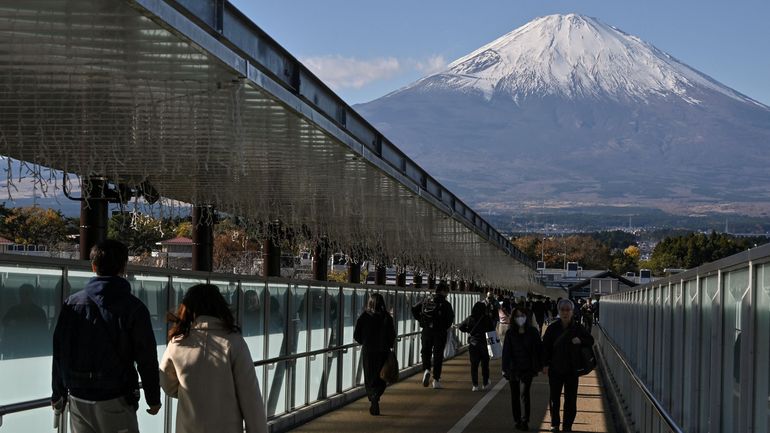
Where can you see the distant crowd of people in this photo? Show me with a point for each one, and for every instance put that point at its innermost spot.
(527, 350)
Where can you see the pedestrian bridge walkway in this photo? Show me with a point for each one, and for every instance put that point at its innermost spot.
(409, 407)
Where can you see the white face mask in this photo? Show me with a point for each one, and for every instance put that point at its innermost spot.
(520, 320)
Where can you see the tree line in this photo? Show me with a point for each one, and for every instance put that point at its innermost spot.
(619, 251)
(237, 247)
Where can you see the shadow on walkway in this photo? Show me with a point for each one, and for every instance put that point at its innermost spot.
(409, 407)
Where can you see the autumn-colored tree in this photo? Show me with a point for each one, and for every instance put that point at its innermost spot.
(34, 226)
(234, 252)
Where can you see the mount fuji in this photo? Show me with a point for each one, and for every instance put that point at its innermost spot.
(567, 109)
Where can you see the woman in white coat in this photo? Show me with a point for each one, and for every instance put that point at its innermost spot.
(208, 367)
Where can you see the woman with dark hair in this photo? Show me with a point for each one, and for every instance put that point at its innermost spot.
(477, 325)
(208, 367)
(376, 333)
(521, 362)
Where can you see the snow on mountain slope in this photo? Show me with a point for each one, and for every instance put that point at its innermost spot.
(573, 55)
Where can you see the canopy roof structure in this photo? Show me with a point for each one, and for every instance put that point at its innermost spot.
(194, 99)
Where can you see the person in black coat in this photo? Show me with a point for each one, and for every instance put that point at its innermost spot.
(435, 315)
(522, 359)
(561, 354)
(477, 325)
(376, 333)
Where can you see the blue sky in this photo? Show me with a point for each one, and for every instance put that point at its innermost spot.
(364, 49)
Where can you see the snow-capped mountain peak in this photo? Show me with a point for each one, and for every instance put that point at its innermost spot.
(574, 56)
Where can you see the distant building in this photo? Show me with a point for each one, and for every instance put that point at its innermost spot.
(600, 284)
(175, 252)
(4, 244)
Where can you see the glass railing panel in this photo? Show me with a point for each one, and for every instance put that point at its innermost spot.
(333, 324)
(153, 291)
(677, 352)
(277, 345)
(350, 316)
(252, 319)
(30, 299)
(317, 375)
(275, 398)
(180, 286)
(709, 306)
(35, 420)
(229, 291)
(147, 422)
(736, 284)
(690, 359)
(77, 280)
(299, 391)
(762, 351)
(298, 329)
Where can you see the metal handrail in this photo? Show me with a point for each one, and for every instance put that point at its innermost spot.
(648, 395)
(45, 402)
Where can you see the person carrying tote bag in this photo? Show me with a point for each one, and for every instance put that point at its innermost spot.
(376, 332)
(478, 324)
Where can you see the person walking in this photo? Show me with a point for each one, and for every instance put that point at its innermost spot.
(588, 315)
(208, 368)
(522, 360)
(562, 343)
(504, 319)
(102, 332)
(435, 315)
(376, 332)
(477, 325)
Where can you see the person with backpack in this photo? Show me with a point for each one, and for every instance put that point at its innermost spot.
(376, 332)
(522, 353)
(562, 344)
(435, 315)
(208, 368)
(102, 331)
(477, 325)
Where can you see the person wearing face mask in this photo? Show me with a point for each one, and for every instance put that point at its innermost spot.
(561, 351)
(522, 351)
(477, 325)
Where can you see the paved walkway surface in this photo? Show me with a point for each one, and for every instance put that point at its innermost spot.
(409, 407)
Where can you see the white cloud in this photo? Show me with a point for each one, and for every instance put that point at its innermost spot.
(346, 72)
(431, 65)
(351, 73)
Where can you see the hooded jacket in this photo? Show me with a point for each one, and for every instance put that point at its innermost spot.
(101, 332)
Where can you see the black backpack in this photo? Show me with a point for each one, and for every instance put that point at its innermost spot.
(431, 313)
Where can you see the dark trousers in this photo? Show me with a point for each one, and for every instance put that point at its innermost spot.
(570, 385)
(479, 355)
(520, 397)
(372, 364)
(433, 342)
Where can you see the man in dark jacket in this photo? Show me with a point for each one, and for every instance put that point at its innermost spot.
(436, 316)
(562, 342)
(101, 332)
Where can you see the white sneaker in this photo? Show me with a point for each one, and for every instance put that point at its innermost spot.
(485, 386)
(437, 384)
(426, 378)
(475, 388)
